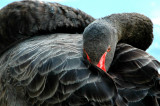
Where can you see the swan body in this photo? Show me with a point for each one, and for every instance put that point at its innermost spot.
(46, 64)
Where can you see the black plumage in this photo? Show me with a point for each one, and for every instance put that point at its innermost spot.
(43, 62)
(135, 73)
(53, 72)
(25, 19)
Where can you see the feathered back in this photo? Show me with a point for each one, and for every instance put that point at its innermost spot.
(21, 20)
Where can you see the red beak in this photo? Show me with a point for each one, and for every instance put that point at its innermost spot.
(101, 63)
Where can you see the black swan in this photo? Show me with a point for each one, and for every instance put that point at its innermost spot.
(45, 62)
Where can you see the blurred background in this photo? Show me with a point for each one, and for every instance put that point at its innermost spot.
(101, 8)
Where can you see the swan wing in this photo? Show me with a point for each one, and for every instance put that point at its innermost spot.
(135, 73)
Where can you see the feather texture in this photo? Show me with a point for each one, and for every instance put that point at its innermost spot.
(135, 73)
(51, 71)
(48, 69)
(21, 20)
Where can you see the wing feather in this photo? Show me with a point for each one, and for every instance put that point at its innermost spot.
(50, 70)
(134, 72)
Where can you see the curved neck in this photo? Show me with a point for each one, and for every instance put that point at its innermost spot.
(128, 28)
(132, 28)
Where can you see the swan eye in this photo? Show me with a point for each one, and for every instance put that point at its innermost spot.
(109, 49)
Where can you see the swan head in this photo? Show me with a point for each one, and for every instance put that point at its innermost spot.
(99, 43)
